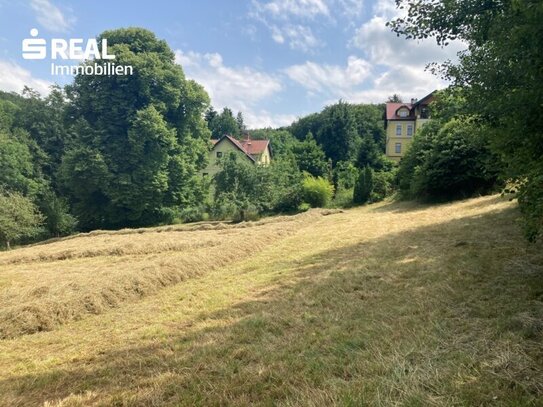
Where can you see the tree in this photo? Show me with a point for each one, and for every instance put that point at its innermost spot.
(364, 186)
(237, 187)
(345, 175)
(224, 123)
(369, 154)
(58, 220)
(19, 217)
(44, 120)
(242, 188)
(18, 168)
(85, 175)
(241, 124)
(342, 129)
(338, 135)
(282, 141)
(500, 75)
(395, 98)
(141, 138)
(210, 115)
(447, 161)
(310, 157)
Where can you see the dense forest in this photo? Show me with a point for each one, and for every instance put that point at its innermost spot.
(127, 151)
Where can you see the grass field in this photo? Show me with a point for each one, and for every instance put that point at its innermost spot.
(388, 304)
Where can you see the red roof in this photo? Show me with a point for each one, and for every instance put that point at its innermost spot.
(254, 147)
(248, 146)
(392, 108)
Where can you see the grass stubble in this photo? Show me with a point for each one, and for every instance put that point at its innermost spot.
(388, 304)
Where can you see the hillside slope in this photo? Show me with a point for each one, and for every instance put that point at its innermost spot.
(389, 304)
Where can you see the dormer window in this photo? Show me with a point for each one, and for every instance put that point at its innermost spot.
(403, 112)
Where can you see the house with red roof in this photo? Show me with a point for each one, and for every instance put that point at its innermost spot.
(257, 152)
(401, 123)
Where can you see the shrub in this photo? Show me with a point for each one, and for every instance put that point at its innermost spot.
(364, 186)
(448, 161)
(19, 217)
(58, 220)
(193, 214)
(343, 198)
(345, 174)
(317, 191)
(383, 182)
(530, 198)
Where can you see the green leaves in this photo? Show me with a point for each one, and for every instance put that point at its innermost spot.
(364, 186)
(144, 138)
(500, 77)
(447, 161)
(317, 191)
(19, 217)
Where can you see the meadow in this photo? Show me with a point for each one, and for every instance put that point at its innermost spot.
(394, 303)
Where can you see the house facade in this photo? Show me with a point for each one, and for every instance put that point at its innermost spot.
(257, 152)
(401, 123)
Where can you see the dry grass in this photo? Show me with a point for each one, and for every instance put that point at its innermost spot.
(391, 304)
(44, 286)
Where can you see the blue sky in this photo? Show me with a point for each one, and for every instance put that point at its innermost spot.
(274, 60)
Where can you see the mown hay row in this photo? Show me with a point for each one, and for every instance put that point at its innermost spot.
(44, 295)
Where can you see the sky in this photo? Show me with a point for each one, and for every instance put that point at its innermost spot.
(273, 60)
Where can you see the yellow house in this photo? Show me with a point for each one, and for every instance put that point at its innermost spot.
(256, 152)
(402, 121)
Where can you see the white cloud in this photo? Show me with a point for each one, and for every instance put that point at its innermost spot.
(288, 20)
(387, 9)
(239, 88)
(50, 16)
(384, 47)
(333, 79)
(409, 82)
(13, 78)
(401, 62)
(299, 37)
(283, 9)
(262, 118)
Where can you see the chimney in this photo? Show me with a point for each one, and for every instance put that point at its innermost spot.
(413, 101)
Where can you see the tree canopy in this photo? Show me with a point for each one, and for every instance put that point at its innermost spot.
(141, 138)
(500, 75)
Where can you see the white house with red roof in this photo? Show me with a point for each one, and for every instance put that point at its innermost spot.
(402, 121)
(257, 152)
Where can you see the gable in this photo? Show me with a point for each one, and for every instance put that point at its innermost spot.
(227, 144)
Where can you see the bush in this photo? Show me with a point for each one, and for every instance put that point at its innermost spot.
(448, 161)
(530, 198)
(248, 213)
(317, 191)
(343, 198)
(58, 220)
(383, 182)
(242, 188)
(19, 218)
(364, 186)
(193, 214)
(345, 175)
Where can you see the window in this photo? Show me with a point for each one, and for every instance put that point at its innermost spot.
(398, 148)
(398, 129)
(219, 154)
(424, 112)
(409, 129)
